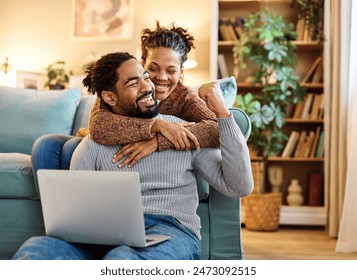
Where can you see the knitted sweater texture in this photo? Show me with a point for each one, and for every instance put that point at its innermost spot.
(168, 183)
(110, 129)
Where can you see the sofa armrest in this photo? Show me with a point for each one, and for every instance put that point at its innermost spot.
(82, 115)
(225, 227)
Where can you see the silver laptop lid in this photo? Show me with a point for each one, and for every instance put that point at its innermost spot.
(100, 207)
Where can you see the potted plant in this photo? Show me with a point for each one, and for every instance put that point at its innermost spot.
(312, 12)
(266, 45)
(266, 42)
(57, 76)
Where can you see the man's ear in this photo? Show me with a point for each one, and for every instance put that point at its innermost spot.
(108, 97)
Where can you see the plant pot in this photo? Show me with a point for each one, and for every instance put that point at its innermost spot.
(262, 211)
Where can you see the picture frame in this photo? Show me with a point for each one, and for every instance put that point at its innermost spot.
(102, 20)
(30, 80)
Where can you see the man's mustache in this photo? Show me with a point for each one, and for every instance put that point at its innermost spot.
(148, 93)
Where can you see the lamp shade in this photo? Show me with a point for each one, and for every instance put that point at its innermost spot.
(191, 61)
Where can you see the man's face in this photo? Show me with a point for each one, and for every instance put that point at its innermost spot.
(135, 92)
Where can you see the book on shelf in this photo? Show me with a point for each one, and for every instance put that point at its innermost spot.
(311, 71)
(320, 145)
(300, 145)
(315, 189)
(222, 66)
(299, 107)
(300, 27)
(308, 144)
(307, 106)
(223, 32)
(318, 74)
(291, 144)
(226, 30)
(258, 176)
(315, 142)
(306, 36)
(316, 104)
(302, 30)
(321, 110)
(230, 27)
(290, 108)
(304, 145)
(238, 25)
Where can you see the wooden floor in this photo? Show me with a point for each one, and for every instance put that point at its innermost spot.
(291, 243)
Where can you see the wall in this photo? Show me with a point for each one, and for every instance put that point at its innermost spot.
(36, 33)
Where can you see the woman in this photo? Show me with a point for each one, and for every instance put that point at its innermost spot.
(164, 50)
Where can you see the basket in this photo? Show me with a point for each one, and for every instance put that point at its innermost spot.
(262, 211)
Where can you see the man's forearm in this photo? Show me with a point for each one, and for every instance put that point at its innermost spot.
(227, 169)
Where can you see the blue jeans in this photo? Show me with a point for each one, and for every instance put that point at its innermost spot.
(53, 151)
(183, 245)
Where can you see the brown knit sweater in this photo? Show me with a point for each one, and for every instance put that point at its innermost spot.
(107, 128)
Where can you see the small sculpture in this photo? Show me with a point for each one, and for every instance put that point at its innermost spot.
(275, 176)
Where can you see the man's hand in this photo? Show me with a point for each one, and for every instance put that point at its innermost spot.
(211, 93)
(176, 133)
(135, 152)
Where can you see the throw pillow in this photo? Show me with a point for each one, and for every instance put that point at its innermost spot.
(228, 86)
(26, 114)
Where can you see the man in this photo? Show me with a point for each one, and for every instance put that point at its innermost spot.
(168, 185)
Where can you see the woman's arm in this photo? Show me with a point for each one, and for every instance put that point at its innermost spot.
(187, 105)
(123, 130)
(107, 128)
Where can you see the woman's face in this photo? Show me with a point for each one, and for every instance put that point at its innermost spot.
(164, 68)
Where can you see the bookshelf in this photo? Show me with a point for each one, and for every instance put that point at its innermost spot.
(310, 70)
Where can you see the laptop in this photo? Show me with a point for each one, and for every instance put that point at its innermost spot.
(95, 207)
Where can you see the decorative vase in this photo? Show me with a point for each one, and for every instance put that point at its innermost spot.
(295, 197)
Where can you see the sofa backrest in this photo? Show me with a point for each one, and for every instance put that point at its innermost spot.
(26, 114)
(82, 115)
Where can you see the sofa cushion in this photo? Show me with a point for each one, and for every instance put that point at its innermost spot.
(16, 176)
(26, 114)
(228, 87)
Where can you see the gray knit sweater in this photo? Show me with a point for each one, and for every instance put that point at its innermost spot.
(168, 184)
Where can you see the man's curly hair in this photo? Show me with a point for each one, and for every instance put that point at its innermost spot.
(175, 38)
(103, 74)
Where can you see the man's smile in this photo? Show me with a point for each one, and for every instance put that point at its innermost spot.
(147, 99)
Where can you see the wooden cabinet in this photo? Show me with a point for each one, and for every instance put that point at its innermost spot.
(308, 51)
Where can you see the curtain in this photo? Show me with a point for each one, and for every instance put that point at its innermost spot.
(347, 236)
(336, 58)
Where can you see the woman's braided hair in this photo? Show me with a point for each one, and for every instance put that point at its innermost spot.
(175, 38)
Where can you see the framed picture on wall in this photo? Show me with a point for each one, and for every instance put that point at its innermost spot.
(30, 80)
(103, 20)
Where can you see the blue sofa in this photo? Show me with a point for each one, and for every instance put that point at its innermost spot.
(39, 113)
(25, 115)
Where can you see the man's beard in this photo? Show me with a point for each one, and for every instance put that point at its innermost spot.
(148, 112)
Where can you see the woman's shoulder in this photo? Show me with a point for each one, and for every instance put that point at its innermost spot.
(182, 93)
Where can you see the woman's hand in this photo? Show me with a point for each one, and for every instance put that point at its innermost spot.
(135, 152)
(211, 93)
(176, 133)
